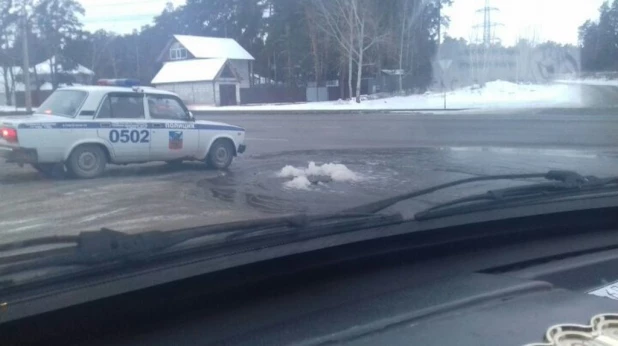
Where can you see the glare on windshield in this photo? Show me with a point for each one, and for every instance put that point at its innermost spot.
(64, 103)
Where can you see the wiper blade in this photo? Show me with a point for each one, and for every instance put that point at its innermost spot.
(109, 246)
(511, 196)
(567, 177)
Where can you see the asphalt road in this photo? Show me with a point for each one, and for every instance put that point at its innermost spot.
(507, 128)
(391, 153)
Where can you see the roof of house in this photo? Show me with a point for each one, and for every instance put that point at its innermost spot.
(45, 68)
(189, 71)
(213, 47)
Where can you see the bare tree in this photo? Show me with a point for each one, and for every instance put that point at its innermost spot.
(318, 43)
(8, 19)
(411, 17)
(352, 25)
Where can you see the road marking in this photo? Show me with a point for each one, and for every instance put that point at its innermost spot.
(268, 139)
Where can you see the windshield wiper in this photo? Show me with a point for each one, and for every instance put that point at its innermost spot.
(108, 246)
(519, 195)
(566, 177)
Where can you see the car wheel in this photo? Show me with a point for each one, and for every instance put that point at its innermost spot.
(221, 154)
(87, 161)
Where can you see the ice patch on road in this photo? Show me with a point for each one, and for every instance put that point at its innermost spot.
(301, 176)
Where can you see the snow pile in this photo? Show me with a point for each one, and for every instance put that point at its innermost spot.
(10, 108)
(298, 183)
(591, 81)
(495, 94)
(303, 178)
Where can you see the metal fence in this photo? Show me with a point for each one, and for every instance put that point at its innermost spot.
(272, 94)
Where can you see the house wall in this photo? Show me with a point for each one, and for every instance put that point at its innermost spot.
(166, 55)
(195, 93)
(241, 68)
(218, 91)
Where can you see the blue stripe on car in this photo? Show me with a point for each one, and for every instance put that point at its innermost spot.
(108, 125)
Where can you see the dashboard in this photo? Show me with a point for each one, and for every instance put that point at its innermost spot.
(505, 289)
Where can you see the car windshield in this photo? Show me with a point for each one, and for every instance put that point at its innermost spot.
(140, 115)
(64, 103)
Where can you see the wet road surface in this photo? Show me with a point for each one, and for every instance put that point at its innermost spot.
(506, 128)
(390, 155)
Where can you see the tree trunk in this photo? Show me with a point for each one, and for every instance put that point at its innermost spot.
(7, 92)
(52, 71)
(361, 53)
(350, 73)
(11, 96)
(401, 40)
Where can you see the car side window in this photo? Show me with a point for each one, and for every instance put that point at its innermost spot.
(165, 107)
(122, 106)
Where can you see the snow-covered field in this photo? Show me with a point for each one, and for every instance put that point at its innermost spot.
(590, 81)
(4, 108)
(496, 94)
(493, 95)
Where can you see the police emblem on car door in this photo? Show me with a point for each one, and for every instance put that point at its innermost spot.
(175, 141)
(174, 134)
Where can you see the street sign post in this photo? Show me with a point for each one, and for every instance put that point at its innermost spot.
(445, 64)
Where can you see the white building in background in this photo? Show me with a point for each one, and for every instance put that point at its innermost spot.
(41, 77)
(204, 70)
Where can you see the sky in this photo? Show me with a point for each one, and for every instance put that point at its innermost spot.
(541, 20)
(122, 16)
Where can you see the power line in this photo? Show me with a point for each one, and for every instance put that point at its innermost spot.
(125, 18)
(124, 3)
(488, 26)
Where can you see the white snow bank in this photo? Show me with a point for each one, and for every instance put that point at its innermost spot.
(590, 81)
(496, 94)
(300, 176)
(11, 109)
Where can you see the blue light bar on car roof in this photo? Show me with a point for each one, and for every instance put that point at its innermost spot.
(124, 82)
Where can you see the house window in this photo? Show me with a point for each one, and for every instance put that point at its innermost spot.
(179, 53)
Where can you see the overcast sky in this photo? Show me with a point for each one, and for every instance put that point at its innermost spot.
(556, 20)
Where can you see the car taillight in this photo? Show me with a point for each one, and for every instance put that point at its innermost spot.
(9, 134)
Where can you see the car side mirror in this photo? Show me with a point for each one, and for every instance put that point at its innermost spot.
(191, 117)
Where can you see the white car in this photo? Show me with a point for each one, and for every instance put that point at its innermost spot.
(87, 127)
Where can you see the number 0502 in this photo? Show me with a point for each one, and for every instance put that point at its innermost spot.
(129, 136)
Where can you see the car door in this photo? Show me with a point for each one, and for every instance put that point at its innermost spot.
(174, 134)
(122, 123)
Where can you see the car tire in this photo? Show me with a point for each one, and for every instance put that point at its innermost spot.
(221, 154)
(87, 161)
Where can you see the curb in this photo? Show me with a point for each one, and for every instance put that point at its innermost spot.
(10, 113)
(323, 112)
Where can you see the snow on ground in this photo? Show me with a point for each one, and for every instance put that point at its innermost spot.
(4, 108)
(496, 94)
(301, 178)
(590, 81)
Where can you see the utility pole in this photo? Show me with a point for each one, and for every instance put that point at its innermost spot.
(488, 25)
(26, 71)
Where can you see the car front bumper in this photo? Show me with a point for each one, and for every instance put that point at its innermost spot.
(242, 148)
(18, 155)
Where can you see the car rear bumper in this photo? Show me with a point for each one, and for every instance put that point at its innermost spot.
(18, 155)
(242, 148)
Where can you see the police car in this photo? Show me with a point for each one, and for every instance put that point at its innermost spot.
(83, 128)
